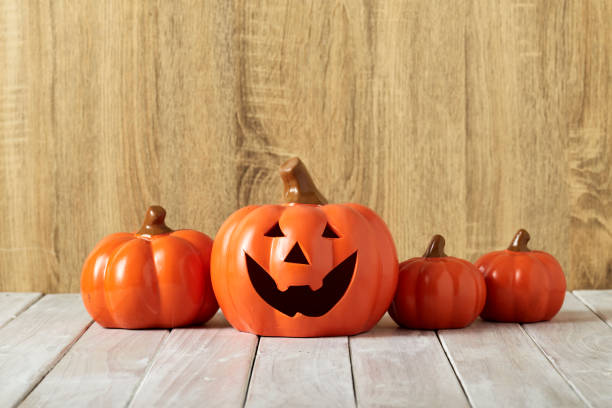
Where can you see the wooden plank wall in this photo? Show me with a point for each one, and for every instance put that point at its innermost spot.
(466, 118)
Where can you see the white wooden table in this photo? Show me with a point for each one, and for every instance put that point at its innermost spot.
(52, 355)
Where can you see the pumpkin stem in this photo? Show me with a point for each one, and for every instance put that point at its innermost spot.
(435, 248)
(519, 242)
(154, 222)
(299, 187)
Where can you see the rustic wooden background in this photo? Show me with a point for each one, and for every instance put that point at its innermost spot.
(466, 118)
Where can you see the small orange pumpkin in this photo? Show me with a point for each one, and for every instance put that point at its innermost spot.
(304, 268)
(437, 291)
(155, 277)
(522, 285)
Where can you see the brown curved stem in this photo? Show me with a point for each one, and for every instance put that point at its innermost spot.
(519, 242)
(435, 248)
(299, 187)
(154, 222)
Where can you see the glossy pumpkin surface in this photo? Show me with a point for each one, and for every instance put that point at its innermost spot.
(156, 277)
(437, 291)
(304, 268)
(522, 285)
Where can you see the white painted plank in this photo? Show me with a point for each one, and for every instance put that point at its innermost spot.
(395, 367)
(580, 345)
(301, 372)
(13, 303)
(599, 301)
(31, 344)
(499, 365)
(203, 366)
(103, 368)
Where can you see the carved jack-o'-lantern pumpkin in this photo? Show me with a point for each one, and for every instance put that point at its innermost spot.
(304, 268)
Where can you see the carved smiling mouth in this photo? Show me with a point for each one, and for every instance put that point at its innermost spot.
(302, 299)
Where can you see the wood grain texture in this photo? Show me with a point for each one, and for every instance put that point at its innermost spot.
(498, 363)
(11, 304)
(589, 154)
(301, 372)
(579, 344)
(120, 106)
(467, 118)
(201, 366)
(599, 301)
(103, 368)
(33, 343)
(393, 367)
(517, 56)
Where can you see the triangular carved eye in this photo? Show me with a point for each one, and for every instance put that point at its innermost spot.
(275, 231)
(329, 232)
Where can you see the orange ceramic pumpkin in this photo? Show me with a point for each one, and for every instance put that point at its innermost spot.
(155, 277)
(303, 268)
(437, 291)
(522, 285)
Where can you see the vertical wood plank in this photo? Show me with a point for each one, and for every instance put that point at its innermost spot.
(103, 368)
(304, 79)
(499, 363)
(360, 94)
(579, 344)
(419, 116)
(27, 247)
(394, 367)
(32, 344)
(517, 55)
(599, 301)
(11, 304)
(199, 366)
(301, 372)
(194, 130)
(589, 157)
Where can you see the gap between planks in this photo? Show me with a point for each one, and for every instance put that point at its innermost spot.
(102, 368)
(498, 362)
(400, 367)
(12, 304)
(599, 301)
(244, 400)
(579, 345)
(208, 364)
(148, 368)
(34, 342)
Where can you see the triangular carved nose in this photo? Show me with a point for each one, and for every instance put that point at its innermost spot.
(296, 255)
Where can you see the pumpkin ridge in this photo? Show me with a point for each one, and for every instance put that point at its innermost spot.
(156, 275)
(421, 275)
(221, 245)
(107, 273)
(102, 282)
(186, 243)
(379, 226)
(375, 298)
(207, 282)
(455, 276)
(544, 270)
(240, 225)
(497, 259)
